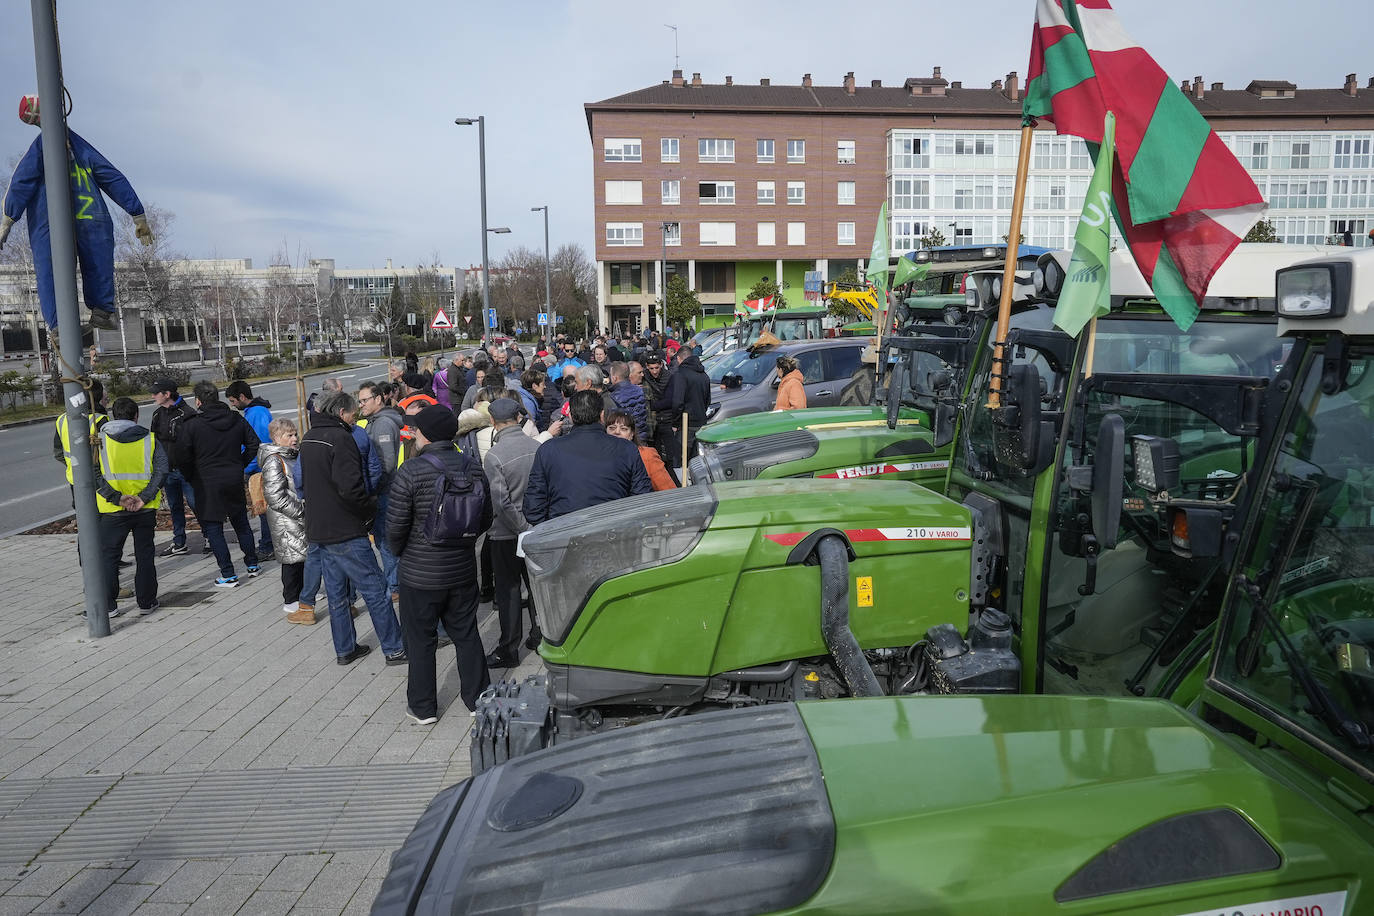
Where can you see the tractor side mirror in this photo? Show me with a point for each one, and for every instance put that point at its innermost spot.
(946, 414)
(896, 384)
(1021, 440)
(1109, 465)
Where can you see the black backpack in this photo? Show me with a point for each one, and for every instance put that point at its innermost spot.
(456, 512)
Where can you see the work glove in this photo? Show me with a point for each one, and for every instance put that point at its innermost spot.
(5, 224)
(145, 234)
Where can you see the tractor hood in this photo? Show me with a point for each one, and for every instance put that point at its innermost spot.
(776, 421)
(911, 805)
(825, 451)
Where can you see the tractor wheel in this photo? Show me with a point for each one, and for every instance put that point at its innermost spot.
(859, 391)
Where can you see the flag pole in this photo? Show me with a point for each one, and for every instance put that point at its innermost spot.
(999, 369)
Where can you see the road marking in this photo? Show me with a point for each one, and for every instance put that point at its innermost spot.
(20, 499)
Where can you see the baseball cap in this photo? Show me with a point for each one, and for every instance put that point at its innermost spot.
(162, 384)
(414, 380)
(653, 359)
(504, 410)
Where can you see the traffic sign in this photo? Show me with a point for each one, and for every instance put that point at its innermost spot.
(560, 319)
(467, 319)
(440, 320)
(543, 319)
(410, 318)
(491, 318)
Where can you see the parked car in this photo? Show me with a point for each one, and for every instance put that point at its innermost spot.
(747, 382)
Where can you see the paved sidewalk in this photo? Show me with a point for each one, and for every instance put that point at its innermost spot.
(208, 758)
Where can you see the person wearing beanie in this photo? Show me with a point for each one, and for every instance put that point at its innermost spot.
(438, 582)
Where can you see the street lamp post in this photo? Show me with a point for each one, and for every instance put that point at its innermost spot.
(663, 282)
(548, 283)
(481, 123)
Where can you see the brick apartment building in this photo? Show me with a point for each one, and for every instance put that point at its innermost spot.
(728, 183)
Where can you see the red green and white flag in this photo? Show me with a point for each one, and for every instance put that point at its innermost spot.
(755, 306)
(1183, 202)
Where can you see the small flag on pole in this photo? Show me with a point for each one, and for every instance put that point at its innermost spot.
(1087, 291)
(908, 270)
(877, 258)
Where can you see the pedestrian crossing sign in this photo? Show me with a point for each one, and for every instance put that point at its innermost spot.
(440, 320)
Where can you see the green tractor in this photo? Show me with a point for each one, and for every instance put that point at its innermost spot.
(1258, 798)
(1040, 569)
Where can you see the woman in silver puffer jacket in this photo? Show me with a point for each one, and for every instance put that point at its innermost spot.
(285, 514)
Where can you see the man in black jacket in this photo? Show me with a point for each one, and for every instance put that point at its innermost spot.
(215, 446)
(584, 467)
(171, 414)
(438, 581)
(338, 511)
(689, 392)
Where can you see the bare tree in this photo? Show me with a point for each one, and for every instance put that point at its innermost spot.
(146, 277)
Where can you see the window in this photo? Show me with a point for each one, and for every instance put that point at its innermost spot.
(796, 192)
(907, 151)
(671, 191)
(717, 233)
(1349, 193)
(840, 362)
(714, 278)
(910, 194)
(1252, 150)
(672, 234)
(768, 233)
(1049, 192)
(622, 149)
(716, 192)
(796, 150)
(1354, 226)
(1078, 154)
(907, 233)
(1352, 153)
(845, 151)
(766, 193)
(715, 150)
(846, 234)
(625, 234)
(667, 150)
(845, 191)
(765, 150)
(1050, 153)
(1301, 151)
(963, 235)
(624, 192)
(796, 233)
(1287, 193)
(626, 278)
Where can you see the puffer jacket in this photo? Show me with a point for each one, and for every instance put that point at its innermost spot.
(426, 565)
(630, 398)
(285, 510)
(791, 392)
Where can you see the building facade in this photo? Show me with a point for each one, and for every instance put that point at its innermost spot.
(726, 184)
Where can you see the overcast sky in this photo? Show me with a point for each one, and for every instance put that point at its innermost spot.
(329, 126)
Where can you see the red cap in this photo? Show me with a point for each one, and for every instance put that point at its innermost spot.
(28, 109)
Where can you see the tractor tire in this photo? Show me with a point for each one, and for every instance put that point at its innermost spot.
(859, 391)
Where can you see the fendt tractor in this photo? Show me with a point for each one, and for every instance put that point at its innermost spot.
(936, 330)
(1256, 798)
(1041, 568)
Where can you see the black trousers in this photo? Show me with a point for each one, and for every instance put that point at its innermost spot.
(421, 611)
(484, 561)
(292, 579)
(114, 531)
(509, 571)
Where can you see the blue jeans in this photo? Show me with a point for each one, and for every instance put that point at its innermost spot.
(312, 577)
(214, 536)
(353, 561)
(391, 563)
(179, 496)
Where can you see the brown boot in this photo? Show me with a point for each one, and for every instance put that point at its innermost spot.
(300, 613)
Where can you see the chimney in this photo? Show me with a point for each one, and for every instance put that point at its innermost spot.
(1371, 83)
(876, 84)
(1013, 88)
(1197, 87)
(849, 82)
(729, 81)
(1350, 85)
(388, 263)
(696, 79)
(765, 82)
(1185, 86)
(677, 77)
(956, 85)
(806, 80)
(936, 74)
(1217, 87)
(997, 85)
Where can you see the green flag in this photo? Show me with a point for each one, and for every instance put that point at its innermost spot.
(1087, 291)
(908, 270)
(877, 259)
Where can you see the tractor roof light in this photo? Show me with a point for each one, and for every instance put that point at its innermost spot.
(1320, 290)
(990, 252)
(1048, 278)
(922, 255)
(1156, 463)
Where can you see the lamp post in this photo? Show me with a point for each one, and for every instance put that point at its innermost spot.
(481, 123)
(548, 282)
(663, 283)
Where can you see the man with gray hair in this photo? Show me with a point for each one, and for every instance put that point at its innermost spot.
(329, 386)
(338, 511)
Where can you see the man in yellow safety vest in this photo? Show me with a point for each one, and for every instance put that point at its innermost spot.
(128, 482)
(62, 442)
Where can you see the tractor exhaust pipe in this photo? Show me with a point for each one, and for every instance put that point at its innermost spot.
(830, 549)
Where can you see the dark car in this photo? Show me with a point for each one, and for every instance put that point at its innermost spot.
(748, 383)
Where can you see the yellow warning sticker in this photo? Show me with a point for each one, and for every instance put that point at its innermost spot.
(863, 585)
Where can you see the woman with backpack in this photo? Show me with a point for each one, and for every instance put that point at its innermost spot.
(437, 570)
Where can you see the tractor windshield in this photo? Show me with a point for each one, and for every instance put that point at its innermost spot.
(1300, 643)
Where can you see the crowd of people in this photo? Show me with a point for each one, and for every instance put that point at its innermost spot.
(409, 494)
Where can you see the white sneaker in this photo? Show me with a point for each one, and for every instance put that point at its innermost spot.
(420, 720)
(291, 608)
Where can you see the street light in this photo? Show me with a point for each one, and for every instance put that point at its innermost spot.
(481, 123)
(548, 285)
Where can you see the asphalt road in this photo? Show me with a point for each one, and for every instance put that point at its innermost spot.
(33, 487)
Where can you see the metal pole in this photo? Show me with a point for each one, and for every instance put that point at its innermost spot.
(482, 171)
(55, 180)
(548, 281)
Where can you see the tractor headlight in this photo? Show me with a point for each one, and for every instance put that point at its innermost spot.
(570, 556)
(745, 459)
(1048, 278)
(1156, 463)
(1319, 290)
